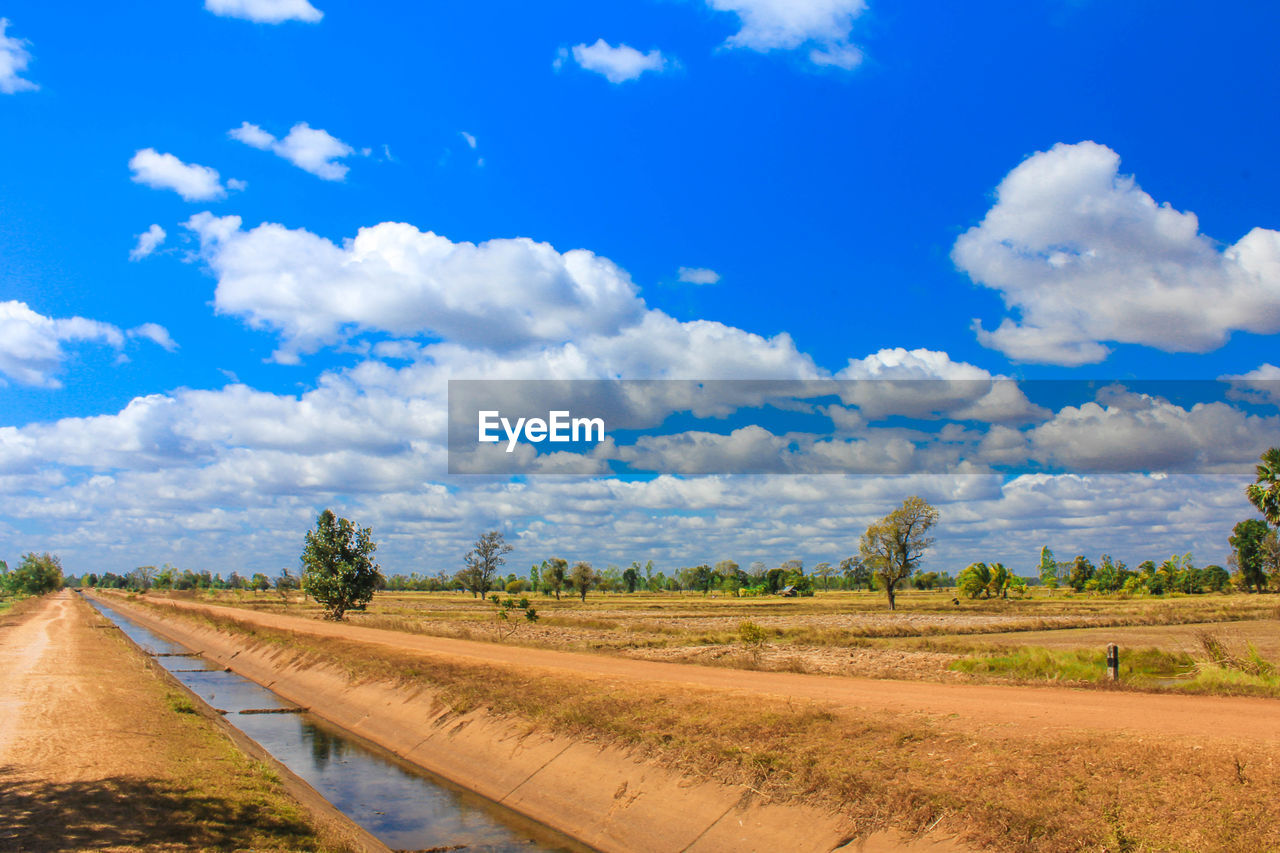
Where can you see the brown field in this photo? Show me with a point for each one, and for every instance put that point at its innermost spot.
(846, 633)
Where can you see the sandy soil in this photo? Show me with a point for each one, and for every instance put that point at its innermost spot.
(828, 660)
(92, 756)
(1017, 710)
(1263, 633)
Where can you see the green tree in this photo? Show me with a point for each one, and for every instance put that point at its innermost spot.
(1110, 575)
(259, 582)
(1001, 578)
(1271, 557)
(338, 570)
(631, 577)
(582, 578)
(894, 545)
(729, 576)
(824, 571)
(483, 561)
(286, 583)
(535, 577)
(856, 572)
(1149, 578)
(975, 580)
(1048, 568)
(555, 574)
(926, 580)
(35, 575)
(773, 580)
(1214, 577)
(1081, 572)
(1247, 538)
(1264, 493)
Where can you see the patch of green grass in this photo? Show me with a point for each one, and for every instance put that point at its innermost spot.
(1145, 667)
(180, 704)
(1220, 681)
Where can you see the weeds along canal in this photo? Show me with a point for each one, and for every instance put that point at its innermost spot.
(402, 805)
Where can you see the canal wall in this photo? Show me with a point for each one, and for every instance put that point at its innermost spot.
(607, 798)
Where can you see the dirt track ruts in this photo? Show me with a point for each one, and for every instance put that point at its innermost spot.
(1018, 710)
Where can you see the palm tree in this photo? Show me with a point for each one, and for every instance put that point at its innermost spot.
(1265, 493)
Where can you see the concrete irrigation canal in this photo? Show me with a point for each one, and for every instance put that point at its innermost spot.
(401, 805)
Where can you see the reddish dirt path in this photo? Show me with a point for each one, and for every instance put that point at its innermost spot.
(92, 756)
(1016, 710)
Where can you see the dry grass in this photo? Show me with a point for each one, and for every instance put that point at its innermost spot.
(13, 608)
(615, 622)
(842, 633)
(1005, 792)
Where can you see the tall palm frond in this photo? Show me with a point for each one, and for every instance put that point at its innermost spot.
(1265, 493)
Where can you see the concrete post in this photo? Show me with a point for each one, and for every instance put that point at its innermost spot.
(1113, 662)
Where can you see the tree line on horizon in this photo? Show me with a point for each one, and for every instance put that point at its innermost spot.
(339, 572)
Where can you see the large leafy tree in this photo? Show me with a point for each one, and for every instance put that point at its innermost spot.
(554, 575)
(584, 577)
(483, 561)
(1265, 492)
(824, 571)
(1082, 571)
(856, 572)
(338, 568)
(35, 575)
(893, 546)
(1048, 568)
(1248, 538)
(975, 580)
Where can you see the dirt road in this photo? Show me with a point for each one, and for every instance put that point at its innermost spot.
(1015, 710)
(94, 755)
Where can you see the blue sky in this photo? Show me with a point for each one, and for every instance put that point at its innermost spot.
(846, 212)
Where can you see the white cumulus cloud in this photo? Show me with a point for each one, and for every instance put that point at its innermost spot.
(698, 275)
(310, 149)
(394, 278)
(155, 333)
(31, 344)
(265, 11)
(1083, 257)
(14, 58)
(824, 26)
(166, 172)
(617, 64)
(148, 242)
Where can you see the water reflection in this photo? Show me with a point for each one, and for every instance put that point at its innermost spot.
(323, 745)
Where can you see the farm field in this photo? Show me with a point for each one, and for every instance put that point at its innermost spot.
(853, 633)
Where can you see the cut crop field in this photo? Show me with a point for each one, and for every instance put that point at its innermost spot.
(1055, 637)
